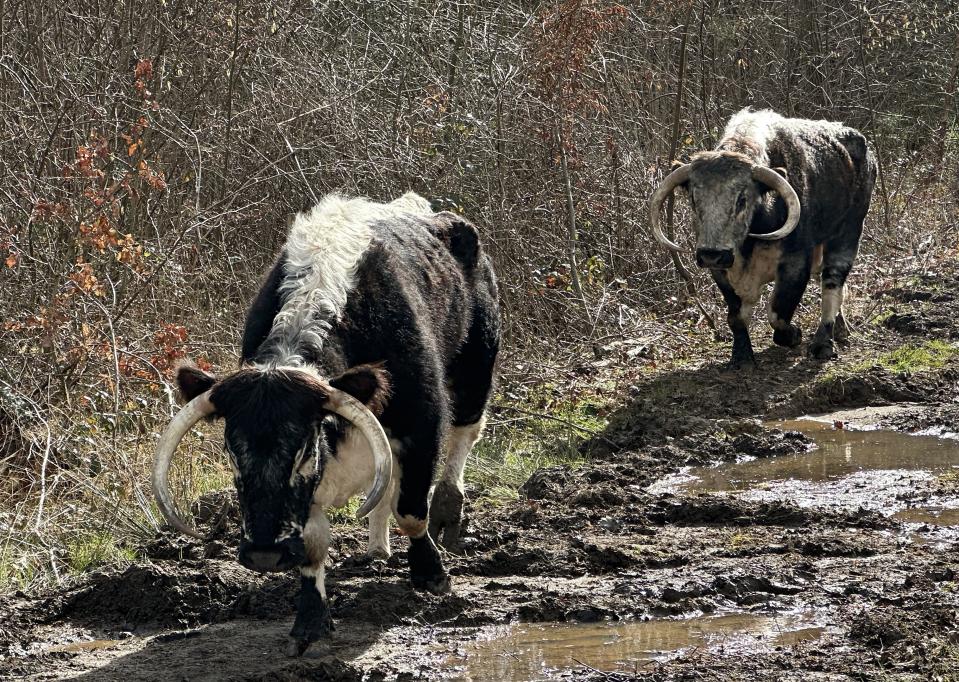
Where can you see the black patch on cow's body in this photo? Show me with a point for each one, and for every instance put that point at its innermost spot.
(259, 318)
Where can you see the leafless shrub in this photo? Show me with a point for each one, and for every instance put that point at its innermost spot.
(151, 155)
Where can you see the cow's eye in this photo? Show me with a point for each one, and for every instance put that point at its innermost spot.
(741, 203)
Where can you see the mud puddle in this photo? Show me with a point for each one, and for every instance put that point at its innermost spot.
(542, 651)
(849, 468)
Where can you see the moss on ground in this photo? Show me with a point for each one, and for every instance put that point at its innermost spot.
(918, 357)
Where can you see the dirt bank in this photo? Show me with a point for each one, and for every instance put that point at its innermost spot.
(585, 544)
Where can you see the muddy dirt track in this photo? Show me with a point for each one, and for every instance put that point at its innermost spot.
(878, 596)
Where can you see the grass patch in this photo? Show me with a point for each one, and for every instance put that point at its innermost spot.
(913, 358)
(16, 569)
(345, 516)
(96, 549)
(524, 440)
(908, 358)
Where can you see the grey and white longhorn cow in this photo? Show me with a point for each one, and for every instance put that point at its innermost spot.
(778, 199)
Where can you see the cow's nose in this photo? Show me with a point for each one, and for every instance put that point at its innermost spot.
(281, 556)
(714, 258)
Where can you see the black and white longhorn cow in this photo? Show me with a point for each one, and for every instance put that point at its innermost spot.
(778, 199)
(371, 309)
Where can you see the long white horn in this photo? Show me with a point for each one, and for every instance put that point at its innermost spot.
(192, 412)
(775, 181)
(671, 182)
(356, 413)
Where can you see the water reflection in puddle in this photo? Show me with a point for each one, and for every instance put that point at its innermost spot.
(541, 651)
(871, 469)
(932, 515)
(840, 452)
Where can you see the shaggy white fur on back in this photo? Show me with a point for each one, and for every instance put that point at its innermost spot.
(755, 125)
(761, 125)
(323, 250)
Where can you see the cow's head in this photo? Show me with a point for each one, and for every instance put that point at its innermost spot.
(279, 423)
(724, 189)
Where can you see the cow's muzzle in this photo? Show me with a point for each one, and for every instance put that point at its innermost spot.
(282, 556)
(714, 259)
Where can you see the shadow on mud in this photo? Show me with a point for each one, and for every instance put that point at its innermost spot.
(238, 650)
(784, 383)
(244, 623)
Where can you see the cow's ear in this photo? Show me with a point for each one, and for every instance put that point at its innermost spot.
(370, 384)
(192, 381)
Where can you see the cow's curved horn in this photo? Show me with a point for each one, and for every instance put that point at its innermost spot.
(775, 181)
(355, 412)
(192, 412)
(671, 182)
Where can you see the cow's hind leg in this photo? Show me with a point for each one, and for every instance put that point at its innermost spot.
(379, 537)
(446, 506)
(313, 620)
(471, 380)
(837, 262)
(792, 278)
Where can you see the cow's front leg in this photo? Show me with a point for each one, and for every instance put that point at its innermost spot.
(792, 276)
(738, 316)
(412, 511)
(313, 620)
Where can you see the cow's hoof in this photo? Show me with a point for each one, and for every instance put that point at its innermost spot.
(741, 364)
(790, 337)
(438, 585)
(378, 554)
(312, 624)
(426, 567)
(297, 647)
(446, 515)
(822, 349)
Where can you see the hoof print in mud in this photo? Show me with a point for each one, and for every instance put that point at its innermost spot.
(446, 515)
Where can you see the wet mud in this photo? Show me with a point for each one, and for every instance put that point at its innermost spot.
(613, 570)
